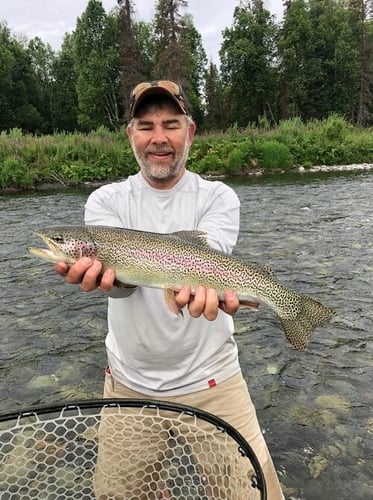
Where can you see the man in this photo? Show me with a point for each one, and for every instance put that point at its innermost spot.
(151, 352)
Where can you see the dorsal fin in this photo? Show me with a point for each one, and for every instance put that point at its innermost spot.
(194, 235)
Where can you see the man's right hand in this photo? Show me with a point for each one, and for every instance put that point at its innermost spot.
(87, 272)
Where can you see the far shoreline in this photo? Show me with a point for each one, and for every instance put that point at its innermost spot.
(58, 186)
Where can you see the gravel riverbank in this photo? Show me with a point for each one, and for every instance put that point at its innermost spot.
(337, 168)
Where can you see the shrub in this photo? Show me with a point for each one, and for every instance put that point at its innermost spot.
(335, 128)
(14, 174)
(209, 164)
(239, 157)
(274, 154)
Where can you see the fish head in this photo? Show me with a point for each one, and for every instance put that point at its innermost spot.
(66, 244)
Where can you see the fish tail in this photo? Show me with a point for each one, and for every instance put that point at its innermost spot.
(310, 314)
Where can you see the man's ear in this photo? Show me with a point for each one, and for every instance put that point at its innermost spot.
(191, 131)
(129, 132)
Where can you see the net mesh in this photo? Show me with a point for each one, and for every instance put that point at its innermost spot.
(118, 452)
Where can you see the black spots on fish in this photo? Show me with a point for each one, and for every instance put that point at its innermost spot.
(74, 241)
(81, 249)
(75, 248)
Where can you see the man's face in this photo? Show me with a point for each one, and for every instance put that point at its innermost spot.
(160, 140)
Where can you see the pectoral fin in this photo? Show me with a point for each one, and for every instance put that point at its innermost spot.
(120, 284)
(169, 297)
(250, 304)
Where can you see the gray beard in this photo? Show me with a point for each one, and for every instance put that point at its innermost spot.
(161, 174)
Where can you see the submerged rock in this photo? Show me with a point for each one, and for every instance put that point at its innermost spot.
(317, 465)
(333, 402)
(306, 415)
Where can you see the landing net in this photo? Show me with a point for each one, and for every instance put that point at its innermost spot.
(125, 449)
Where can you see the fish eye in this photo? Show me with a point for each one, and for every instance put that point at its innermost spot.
(58, 239)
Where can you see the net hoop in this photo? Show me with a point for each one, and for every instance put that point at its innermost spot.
(21, 421)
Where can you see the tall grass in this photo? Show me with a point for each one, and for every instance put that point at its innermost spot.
(73, 158)
(68, 159)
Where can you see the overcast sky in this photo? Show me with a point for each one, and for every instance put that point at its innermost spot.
(51, 19)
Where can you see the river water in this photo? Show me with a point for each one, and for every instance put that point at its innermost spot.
(315, 407)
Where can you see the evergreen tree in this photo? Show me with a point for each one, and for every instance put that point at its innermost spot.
(132, 63)
(146, 45)
(7, 62)
(248, 64)
(197, 61)
(293, 45)
(97, 66)
(214, 99)
(42, 59)
(362, 25)
(179, 53)
(64, 106)
(19, 92)
(319, 61)
(172, 58)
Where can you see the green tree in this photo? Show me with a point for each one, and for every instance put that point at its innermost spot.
(319, 61)
(133, 67)
(64, 105)
(191, 40)
(365, 106)
(19, 91)
(146, 45)
(362, 25)
(42, 58)
(179, 53)
(248, 57)
(172, 57)
(25, 93)
(97, 66)
(7, 63)
(293, 44)
(214, 99)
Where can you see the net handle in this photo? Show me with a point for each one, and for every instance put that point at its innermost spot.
(76, 406)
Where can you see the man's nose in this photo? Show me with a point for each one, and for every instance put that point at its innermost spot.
(159, 135)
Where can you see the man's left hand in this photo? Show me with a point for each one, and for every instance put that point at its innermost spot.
(206, 301)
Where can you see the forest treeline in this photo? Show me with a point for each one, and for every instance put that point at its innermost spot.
(317, 62)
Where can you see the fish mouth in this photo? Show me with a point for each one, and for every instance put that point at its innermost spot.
(52, 253)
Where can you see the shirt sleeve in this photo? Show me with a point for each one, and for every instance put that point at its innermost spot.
(99, 208)
(99, 212)
(220, 218)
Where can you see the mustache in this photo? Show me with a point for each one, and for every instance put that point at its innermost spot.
(159, 150)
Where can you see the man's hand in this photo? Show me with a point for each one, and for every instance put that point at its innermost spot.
(87, 272)
(206, 301)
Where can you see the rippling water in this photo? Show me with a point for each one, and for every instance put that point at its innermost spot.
(315, 407)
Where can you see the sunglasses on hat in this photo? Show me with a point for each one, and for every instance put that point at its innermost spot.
(162, 87)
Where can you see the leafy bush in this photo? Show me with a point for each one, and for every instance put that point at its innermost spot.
(210, 164)
(335, 128)
(13, 174)
(274, 155)
(239, 157)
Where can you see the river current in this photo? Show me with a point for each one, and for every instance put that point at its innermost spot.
(315, 407)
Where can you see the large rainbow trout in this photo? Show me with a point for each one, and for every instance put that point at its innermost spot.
(169, 261)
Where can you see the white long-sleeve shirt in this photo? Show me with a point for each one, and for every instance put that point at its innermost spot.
(150, 349)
